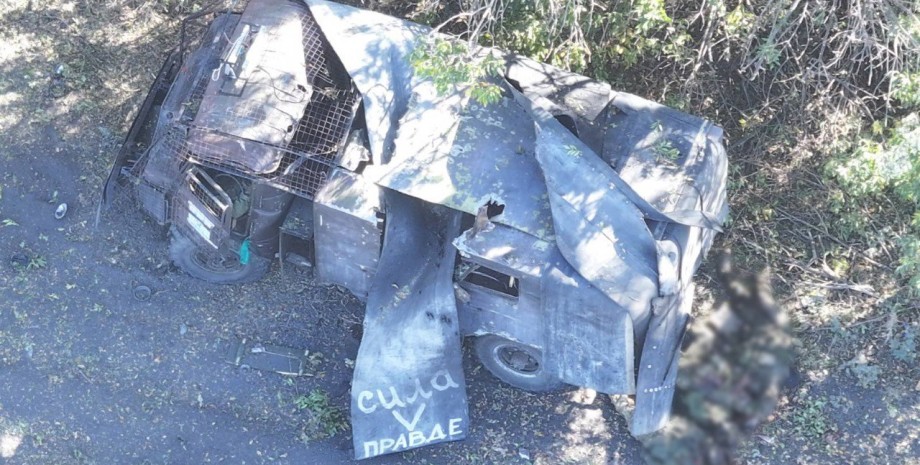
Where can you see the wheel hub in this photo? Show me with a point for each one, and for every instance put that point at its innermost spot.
(518, 360)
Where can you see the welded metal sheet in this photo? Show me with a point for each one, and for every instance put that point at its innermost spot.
(599, 229)
(374, 48)
(592, 338)
(453, 151)
(408, 388)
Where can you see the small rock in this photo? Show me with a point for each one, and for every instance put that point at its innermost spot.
(524, 453)
(584, 396)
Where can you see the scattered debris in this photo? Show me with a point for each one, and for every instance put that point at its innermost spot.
(58, 87)
(282, 360)
(142, 293)
(60, 211)
(19, 260)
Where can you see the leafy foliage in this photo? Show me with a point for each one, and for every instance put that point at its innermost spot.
(905, 87)
(324, 419)
(886, 162)
(810, 420)
(452, 66)
(575, 34)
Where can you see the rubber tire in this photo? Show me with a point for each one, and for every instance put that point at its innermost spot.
(487, 349)
(183, 249)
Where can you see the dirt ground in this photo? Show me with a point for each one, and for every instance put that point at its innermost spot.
(89, 374)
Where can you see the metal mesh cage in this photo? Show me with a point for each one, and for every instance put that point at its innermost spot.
(297, 161)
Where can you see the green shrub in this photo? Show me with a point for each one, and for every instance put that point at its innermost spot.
(883, 163)
(452, 66)
(324, 419)
(577, 34)
(903, 347)
(905, 87)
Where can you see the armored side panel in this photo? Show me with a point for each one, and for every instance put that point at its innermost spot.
(493, 307)
(347, 237)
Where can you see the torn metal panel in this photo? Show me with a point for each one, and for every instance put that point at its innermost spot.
(408, 388)
(374, 48)
(452, 151)
(504, 247)
(658, 150)
(486, 311)
(584, 96)
(599, 230)
(519, 318)
(446, 149)
(583, 101)
(587, 340)
(658, 364)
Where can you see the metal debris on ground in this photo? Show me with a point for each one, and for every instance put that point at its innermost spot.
(19, 260)
(268, 357)
(142, 293)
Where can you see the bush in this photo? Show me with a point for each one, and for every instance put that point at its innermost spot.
(884, 163)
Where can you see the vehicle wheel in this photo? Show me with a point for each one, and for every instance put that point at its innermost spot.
(214, 266)
(516, 364)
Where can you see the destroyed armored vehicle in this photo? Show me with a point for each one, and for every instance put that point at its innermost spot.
(560, 227)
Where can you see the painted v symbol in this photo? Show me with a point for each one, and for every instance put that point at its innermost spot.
(410, 425)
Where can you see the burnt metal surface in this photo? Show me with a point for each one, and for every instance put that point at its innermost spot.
(408, 388)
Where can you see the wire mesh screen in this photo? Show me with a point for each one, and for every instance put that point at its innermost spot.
(279, 114)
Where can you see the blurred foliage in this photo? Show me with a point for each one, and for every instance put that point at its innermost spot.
(324, 419)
